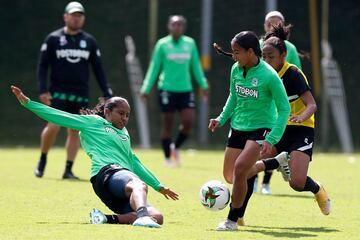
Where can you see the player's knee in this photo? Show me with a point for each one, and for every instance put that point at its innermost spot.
(159, 218)
(154, 213)
(228, 178)
(239, 170)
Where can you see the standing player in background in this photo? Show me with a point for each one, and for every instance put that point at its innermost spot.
(174, 58)
(68, 52)
(258, 109)
(274, 18)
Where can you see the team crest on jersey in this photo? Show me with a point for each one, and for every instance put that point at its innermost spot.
(82, 44)
(186, 47)
(109, 130)
(254, 82)
(62, 41)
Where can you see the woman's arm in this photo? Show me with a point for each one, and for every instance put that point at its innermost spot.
(50, 114)
(283, 109)
(310, 108)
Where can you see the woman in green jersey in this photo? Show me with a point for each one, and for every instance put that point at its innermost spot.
(117, 175)
(174, 59)
(258, 109)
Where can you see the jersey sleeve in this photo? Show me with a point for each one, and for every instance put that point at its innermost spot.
(154, 69)
(283, 109)
(298, 82)
(145, 174)
(197, 69)
(46, 53)
(95, 60)
(58, 117)
(230, 104)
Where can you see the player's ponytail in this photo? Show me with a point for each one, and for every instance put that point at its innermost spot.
(276, 37)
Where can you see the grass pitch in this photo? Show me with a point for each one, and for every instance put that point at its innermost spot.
(50, 208)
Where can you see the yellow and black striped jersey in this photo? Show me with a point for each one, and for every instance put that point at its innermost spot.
(295, 83)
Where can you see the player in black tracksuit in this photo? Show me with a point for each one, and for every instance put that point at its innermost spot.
(68, 52)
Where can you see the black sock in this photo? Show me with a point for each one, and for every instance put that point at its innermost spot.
(250, 184)
(42, 162)
(180, 139)
(69, 165)
(234, 214)
(112, 219)
(311, 185)
(271, 164)
(166, 146)
(142, 212)
(43, 157)
(267, 176)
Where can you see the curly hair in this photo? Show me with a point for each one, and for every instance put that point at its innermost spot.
(99, 109)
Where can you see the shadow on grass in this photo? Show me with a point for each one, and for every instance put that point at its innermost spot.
(64, 223)
(284, 232)
(66, 180)
(291, 196)
(290, 232)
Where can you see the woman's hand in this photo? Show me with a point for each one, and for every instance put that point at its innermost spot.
(214, 124)
(296, 118)
(167, 192)
(19, 94)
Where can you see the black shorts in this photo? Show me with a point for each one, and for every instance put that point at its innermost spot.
(68, 106)
(173, 101)
(237, 139)
(297, 138)
(118, 203)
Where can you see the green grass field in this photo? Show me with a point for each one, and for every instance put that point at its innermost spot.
(51, 208)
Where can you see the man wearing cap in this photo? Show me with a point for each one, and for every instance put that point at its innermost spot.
(68, 52)
(274, 18)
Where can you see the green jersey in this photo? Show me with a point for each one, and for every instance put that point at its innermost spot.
(174, 60)
(257, 100)
(292, 53)
(102, 142)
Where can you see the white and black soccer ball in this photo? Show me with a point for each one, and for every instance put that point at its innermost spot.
(214, 195)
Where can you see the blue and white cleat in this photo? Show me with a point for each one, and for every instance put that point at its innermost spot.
(97, 217)
(146, 221)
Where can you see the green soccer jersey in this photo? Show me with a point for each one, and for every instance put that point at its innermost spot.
(102, 142)
(174, 61)
(292, 53)
(257, 100)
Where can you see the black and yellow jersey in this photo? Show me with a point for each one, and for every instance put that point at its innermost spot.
(295, 83)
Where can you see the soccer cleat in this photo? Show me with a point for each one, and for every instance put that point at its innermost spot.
(283, 159)
(39, 170)
(265, 189)
(97, 217)
(240, 222)
(69, 176)
(146, 221)
(323, 200)
(227, 225)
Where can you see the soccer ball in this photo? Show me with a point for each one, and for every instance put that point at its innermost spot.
(214, 195)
